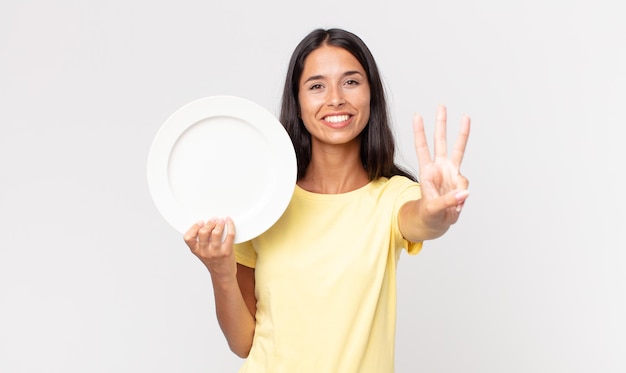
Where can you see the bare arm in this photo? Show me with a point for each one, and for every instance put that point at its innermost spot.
(233, 284)
(444, 189)
(245, 278)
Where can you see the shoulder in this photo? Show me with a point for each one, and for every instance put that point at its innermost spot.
(395, 183)
(397, 189)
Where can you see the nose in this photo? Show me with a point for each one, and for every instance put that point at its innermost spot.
(335, 97)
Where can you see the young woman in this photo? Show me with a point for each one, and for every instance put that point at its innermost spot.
(317, 291)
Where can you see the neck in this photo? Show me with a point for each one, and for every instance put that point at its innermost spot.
(334, 169)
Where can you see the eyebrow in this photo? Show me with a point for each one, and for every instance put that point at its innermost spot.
(347, 73)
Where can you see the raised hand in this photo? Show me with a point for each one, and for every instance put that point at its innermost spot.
(444, 189)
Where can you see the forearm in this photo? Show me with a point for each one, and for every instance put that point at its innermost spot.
(234, 317)
(416, 225)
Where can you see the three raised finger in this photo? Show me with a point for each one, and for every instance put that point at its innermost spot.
(440, 148)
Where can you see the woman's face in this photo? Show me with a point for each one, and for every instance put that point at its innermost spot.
(334, 96)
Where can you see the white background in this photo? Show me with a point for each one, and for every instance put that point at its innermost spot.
(92, 279)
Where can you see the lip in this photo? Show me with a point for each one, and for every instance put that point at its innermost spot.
(337, 123)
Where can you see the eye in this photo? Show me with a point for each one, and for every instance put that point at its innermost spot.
(315, 86)
(352, 82)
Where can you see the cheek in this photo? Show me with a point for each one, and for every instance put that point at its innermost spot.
(364, 104)
(309, 129)
(361, 99)
(306, 105)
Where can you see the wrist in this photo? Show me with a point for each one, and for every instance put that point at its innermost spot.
(223, 279)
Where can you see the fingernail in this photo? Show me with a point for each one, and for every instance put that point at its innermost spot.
(200, 223)
(461, 195)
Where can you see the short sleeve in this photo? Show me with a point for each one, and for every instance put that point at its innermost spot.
(408, 191)
(245, 254)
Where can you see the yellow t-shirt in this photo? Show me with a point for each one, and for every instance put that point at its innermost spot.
(326, 281)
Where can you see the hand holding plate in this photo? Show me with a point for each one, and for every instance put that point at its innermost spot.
(212, 242)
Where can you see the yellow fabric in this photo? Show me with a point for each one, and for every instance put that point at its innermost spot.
(326, 281)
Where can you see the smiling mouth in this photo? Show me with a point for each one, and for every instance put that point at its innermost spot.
(337, 118)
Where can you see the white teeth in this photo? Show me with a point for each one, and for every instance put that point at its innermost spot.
(337, 118)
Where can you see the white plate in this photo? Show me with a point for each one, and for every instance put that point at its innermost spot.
(222, 156)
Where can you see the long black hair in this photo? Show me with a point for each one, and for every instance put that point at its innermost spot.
(377, 142)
